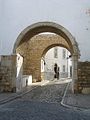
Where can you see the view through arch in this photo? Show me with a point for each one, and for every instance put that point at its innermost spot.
(37, 47)
(60, 56)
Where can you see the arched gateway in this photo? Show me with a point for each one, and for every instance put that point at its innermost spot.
(66, 40)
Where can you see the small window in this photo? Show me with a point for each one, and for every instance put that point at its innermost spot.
(55, 52)
(64, 54)
(63, 68)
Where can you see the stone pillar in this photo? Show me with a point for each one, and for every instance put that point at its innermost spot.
(36, 73)
(37, 76)
(74, 73)
(8, 73)
(14, 72)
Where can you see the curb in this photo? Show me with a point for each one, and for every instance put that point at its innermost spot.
(71, 106)
(45, 83)
(18, 95)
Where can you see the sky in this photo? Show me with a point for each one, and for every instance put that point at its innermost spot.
(16, 15)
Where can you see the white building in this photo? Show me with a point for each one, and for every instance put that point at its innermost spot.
(16, 15)
(60, 56)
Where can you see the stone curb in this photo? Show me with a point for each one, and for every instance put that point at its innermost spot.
(18, 95)
(71, 106)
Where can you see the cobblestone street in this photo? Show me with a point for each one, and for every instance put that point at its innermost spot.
(42, 103)
(51, 93)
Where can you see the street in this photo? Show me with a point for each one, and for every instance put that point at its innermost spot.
(42, 103)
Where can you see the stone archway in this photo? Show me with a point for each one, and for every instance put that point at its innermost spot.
(66, 40)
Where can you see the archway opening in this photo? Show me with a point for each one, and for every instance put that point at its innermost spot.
(28, 41)
(59, 56)
(41, 27)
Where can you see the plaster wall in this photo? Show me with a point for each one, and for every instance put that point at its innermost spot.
(15, 15)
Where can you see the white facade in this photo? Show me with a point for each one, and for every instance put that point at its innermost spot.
(60, 56)
(16, 15)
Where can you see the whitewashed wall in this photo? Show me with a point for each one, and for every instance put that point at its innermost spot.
(74, 15)
(49, 60)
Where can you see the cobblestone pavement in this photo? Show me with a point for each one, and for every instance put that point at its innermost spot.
(42, 103)
(76, 100)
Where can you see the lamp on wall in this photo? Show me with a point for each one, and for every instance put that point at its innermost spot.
(69, 56)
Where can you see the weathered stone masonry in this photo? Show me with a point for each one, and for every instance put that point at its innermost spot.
(83, 77)
(37, 49)
(41, 27)
(7, 73)
(34, 49)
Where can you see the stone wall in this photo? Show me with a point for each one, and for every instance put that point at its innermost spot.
(34, 49)
(11, 73)
(83, 77)
(7, 73)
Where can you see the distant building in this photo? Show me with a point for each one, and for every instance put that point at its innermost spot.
(60, 56)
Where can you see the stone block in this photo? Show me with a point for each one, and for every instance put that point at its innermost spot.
(84, 77)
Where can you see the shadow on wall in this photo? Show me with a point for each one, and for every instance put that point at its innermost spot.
(21, 80)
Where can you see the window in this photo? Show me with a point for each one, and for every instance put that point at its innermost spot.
(63, 68)
(64, 54)
(55, 52)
